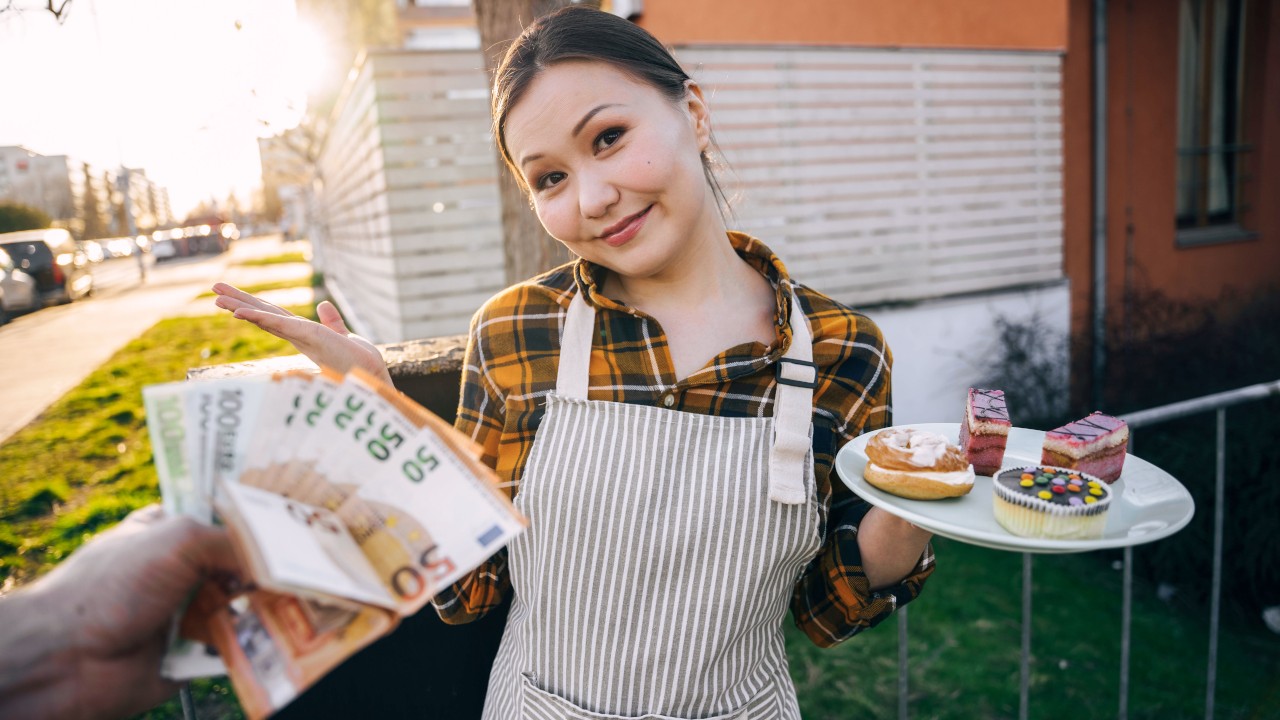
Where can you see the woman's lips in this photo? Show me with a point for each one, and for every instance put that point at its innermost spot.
(623, 231)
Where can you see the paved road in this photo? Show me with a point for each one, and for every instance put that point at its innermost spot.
(46, 353)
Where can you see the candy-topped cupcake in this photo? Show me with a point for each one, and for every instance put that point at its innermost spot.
(1043, 501)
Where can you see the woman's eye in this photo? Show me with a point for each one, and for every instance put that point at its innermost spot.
(549, 180)
(607, 138)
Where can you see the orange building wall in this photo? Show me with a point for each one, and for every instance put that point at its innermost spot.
(1141, 166)
(992, 24)
(1142, 172)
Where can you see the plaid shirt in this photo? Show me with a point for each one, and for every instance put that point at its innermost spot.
(511, 363)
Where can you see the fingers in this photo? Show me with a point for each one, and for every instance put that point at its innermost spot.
(296, 330)
(324, 346)
(233, 298)
(209, 549)
(330, 318)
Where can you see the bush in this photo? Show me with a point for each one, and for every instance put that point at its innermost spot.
(16, 216)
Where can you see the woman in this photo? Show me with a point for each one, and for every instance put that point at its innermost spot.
(666, 410)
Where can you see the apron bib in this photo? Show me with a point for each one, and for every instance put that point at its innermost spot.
(661, 553)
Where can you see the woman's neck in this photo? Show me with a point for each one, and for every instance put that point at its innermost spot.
(708, 271)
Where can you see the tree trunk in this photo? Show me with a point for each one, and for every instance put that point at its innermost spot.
(527, 248)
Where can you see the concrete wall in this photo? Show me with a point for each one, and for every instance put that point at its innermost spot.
(943, 347)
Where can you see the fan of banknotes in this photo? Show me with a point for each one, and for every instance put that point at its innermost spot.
(350, 505)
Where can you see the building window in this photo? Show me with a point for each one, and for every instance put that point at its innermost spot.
(1213, 159)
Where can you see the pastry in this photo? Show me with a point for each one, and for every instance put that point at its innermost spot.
(916, 464)
(1042, 501)
(1095, 445)
(985, 430)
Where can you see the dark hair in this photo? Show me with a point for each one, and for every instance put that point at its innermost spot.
(584, 33)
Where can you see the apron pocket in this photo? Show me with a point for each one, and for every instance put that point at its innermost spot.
(539, 704)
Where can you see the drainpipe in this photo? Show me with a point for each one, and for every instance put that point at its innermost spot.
(1099, 200)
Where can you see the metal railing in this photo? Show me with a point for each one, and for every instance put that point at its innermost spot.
(1218, 402)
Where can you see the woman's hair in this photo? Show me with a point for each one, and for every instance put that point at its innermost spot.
(584, 33)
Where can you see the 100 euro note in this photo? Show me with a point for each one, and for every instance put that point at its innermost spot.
(193, 427)
(175, 428)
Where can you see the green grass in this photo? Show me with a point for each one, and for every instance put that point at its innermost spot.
(289, 257)
(965, 639)
(86, 462)
(316, 280)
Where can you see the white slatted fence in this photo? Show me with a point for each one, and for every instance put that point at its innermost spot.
(879, 176)
(893, 175)
(410, 187)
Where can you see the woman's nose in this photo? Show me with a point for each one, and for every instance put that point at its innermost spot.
(596, 195)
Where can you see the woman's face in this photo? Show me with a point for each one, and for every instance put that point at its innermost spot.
(613, 166)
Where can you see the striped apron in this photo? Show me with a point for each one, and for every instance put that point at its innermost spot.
(661, 553)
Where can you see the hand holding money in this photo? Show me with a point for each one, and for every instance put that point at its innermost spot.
(85, 640)
(349, 504)
(327, 343)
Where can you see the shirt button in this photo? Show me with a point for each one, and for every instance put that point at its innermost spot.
(669, 400)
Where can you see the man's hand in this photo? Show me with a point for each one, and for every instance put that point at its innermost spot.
(86, 640)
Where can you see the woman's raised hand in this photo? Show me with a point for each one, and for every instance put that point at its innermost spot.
(328, 343)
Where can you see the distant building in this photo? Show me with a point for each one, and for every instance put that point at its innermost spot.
(70, 190)
(52, 183)
(146, 202)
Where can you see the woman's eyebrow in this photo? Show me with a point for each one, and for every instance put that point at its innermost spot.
(576, 128)
(587, 118)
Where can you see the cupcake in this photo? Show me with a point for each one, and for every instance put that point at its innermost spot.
(1043, 501)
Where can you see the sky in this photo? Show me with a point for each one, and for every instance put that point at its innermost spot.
(170, 86)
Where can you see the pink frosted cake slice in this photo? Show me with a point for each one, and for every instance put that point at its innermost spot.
(985, 430)
(1095, 445)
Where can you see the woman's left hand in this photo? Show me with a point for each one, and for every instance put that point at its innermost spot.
(328, 343)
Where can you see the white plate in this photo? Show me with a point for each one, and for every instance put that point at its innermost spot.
(1150, 504)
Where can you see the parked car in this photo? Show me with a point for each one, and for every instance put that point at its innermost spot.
(93, 250)
(17, 289)
(118, 247)
(62, 270)
(167, 244)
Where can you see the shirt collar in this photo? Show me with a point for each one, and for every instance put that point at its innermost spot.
(587, 274)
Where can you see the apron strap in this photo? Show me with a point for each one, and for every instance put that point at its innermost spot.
(792, 403)
(575, 349)
(793, 412)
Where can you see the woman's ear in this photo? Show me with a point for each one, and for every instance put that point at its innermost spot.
(699, 113)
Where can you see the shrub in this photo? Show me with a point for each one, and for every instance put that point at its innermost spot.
(16, 216)
(1170, 350)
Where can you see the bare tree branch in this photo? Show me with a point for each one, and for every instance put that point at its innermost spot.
(60, 12)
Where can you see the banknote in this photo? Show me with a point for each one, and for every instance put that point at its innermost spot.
(349, 504)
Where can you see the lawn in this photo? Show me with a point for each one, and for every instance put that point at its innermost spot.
(289, 257)
(86, 463)
(965, 639)
(316, 280)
